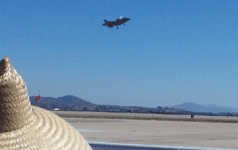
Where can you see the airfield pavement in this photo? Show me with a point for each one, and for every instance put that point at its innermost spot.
(211, 133)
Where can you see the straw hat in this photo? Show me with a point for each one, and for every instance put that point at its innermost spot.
(26, 127)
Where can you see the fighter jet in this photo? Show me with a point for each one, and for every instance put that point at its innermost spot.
(118, 22)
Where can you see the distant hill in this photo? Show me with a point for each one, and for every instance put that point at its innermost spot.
(73, 103)
(192, 107)
(67, 102)
(206, 108)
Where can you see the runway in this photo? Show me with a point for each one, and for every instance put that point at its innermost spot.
(145, 116)
(152, 132)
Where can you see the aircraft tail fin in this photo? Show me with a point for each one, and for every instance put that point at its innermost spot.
(105, 20)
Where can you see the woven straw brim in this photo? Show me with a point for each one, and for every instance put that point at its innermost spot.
(46, 132)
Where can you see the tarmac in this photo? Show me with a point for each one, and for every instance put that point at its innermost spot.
(156, 132)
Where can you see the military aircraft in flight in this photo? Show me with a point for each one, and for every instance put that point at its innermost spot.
(118, 22)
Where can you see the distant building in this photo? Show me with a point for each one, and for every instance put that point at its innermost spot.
(56, 109)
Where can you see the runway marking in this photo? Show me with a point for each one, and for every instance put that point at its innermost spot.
(156, 146)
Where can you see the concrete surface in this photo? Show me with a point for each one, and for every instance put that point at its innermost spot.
(144, 116)
(171, 133)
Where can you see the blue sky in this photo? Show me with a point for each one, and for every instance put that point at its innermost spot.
(170, 51)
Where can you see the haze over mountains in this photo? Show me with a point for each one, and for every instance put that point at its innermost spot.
(73, 103)
(206, 108)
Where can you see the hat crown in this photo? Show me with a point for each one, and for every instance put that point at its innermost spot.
(15, 108)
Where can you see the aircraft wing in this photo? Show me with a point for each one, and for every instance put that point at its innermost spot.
(110, 25)
(119, 23)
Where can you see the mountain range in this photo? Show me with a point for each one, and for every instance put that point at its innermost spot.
(73, 103)
(206, 108)
(67, 102)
